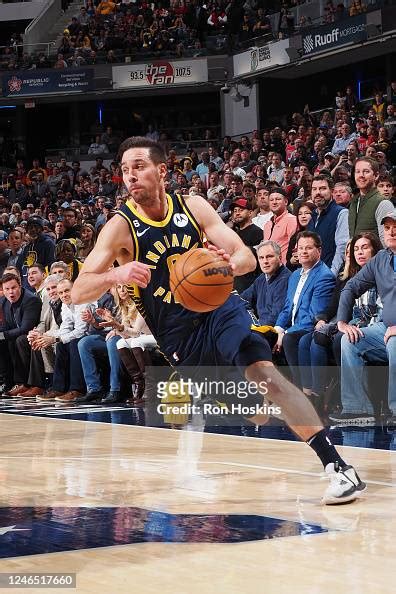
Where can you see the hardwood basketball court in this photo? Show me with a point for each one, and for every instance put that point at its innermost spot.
(147, 510)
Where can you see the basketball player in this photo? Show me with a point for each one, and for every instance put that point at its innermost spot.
(148, 234)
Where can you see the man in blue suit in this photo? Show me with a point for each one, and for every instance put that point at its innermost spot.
(308, 294)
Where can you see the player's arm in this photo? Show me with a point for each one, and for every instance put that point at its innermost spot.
(97, 276)
(228, 243)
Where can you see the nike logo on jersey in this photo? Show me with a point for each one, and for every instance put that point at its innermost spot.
(140, 233)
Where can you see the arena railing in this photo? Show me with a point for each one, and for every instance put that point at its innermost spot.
(51, 10)
(43, 47)
(81, 152)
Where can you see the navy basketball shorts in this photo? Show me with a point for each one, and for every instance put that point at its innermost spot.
(225, 338)
(223, 346)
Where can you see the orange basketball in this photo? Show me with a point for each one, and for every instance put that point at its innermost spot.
(200, 280)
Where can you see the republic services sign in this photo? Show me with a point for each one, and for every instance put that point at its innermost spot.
(160, 73)
(335, 35)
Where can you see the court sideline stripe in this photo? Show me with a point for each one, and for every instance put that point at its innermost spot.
(208, 462)
(193, 430)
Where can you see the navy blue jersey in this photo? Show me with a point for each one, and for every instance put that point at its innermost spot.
(158, 244)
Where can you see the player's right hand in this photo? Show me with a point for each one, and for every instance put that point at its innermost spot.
(132, 273)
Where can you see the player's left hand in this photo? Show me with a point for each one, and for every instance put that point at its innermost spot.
(222, 253)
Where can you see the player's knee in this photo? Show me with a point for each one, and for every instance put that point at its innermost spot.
(253, 349)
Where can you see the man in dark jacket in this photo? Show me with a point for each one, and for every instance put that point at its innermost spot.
(267, 295)
(21, 313)
(251, 235)
(330, 222)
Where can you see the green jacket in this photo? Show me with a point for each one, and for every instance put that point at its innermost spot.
(362, 212)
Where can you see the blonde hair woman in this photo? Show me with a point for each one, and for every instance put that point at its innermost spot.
(135, 340)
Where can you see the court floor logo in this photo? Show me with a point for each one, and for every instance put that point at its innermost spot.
(40, 530)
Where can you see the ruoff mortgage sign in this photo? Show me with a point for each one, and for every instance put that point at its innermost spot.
(160, 73)
(335, 35)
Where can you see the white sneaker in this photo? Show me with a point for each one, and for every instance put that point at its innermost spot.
(345, 485)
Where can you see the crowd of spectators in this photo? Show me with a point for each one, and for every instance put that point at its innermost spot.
(314, 201)
(106, 32)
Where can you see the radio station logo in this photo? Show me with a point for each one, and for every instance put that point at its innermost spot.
(160, 73)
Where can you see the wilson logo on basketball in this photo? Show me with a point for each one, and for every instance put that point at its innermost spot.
(224, 270)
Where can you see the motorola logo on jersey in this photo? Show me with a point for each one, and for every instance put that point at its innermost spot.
(180, 219)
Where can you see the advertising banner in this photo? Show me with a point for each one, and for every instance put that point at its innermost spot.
(335, 35)
(44, 82)
(160, 73)
(260, 58)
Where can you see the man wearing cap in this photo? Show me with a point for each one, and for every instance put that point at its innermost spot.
(40, 249)
(4, 251)
(234, 191)
(376, 343)
(329, 161)
(250, 234)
